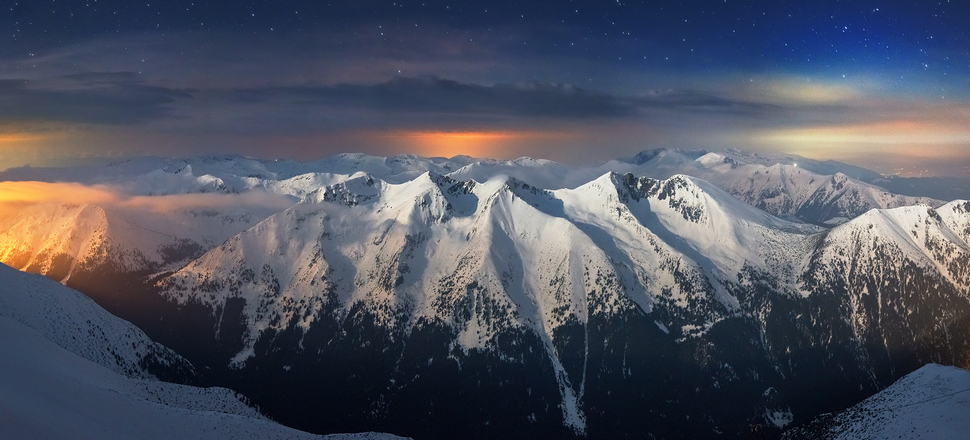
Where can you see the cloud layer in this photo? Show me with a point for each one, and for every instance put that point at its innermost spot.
(428, 88)
(16, 195)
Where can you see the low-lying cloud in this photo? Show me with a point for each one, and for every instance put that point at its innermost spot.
(17, 195)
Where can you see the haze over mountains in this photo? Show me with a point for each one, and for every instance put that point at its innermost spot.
(516, 299)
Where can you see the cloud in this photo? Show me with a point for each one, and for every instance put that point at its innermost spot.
(430, 88)
(108, 98)
(208, 201)
(20, 193)
(16, 195)
(430, 94)
(701, 102)
(443, 99)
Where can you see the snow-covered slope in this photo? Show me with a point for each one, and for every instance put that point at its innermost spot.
(394, 169)
(231, 172)
(180, 180)
(541, 260)
(62, 239)
(49, 392)
(56, 239)
(73, 321)
(874, 248)
(780, 184)
(480, 261)
(365, 240)
(931, 403)
(70, 370)
(783, 185)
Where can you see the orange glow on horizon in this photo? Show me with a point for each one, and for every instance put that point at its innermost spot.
(450, 144)
(490, 144)
(13, 138)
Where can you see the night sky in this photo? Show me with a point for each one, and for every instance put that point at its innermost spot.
(882, 84)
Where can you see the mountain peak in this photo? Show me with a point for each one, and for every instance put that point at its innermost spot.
(359, 188)
(649, 155)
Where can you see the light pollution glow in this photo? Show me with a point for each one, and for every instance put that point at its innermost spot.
(445, 144)
(483, 144)
(906, 139)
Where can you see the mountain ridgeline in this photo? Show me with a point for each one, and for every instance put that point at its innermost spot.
(431, 304)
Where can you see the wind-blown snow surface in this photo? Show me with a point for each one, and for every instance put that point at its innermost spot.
(930, 403)
(74, 322)
(70, 370)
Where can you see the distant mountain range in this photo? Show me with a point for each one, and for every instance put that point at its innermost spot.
(438, 298)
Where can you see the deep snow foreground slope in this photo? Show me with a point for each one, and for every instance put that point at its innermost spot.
(929, 403)
(48, 392)
(77, 324)
(71, 371)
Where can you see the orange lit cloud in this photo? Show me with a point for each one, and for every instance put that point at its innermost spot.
(19, 138)
(38, 192)
(177, 202)
(16, 195)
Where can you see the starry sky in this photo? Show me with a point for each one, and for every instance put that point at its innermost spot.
(882, 84)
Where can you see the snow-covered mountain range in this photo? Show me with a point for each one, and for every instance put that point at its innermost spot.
(165, 212)
(523, 298)
(70, 370)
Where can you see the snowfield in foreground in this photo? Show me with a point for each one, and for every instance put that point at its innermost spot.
(930, 403)
(75, 391)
